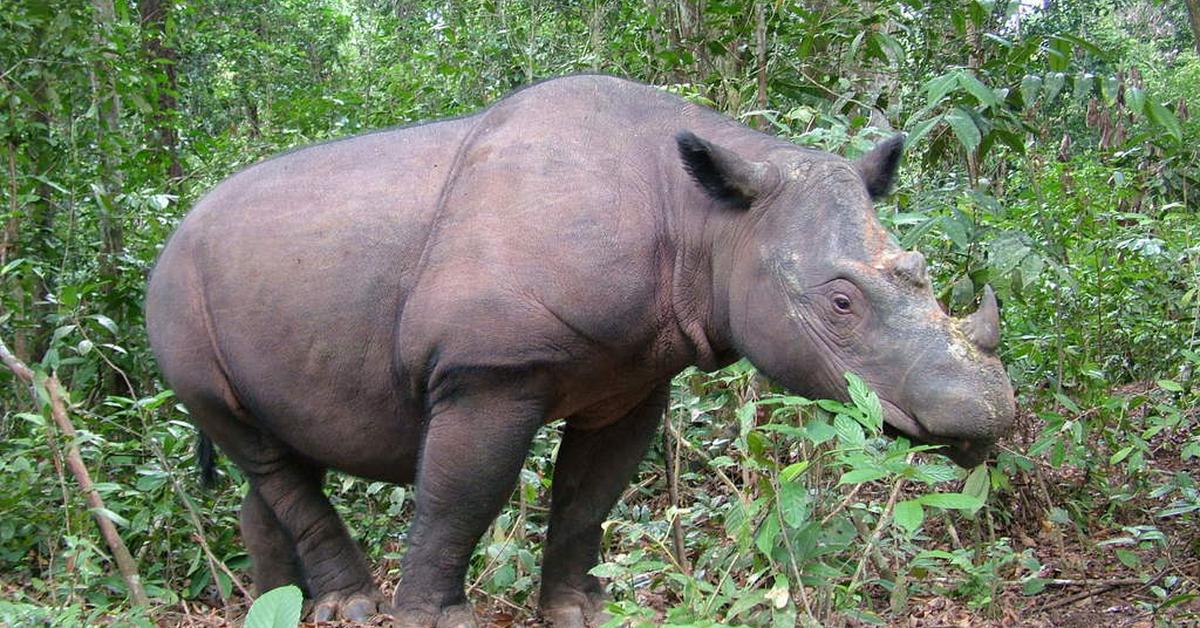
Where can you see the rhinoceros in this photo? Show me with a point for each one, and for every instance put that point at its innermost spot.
(412, 305)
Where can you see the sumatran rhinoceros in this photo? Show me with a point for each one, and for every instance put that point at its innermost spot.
(414, 304)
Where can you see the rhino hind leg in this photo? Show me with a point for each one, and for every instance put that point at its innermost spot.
(274, 562)
(592, 469)
(291, 530)
(335, 572)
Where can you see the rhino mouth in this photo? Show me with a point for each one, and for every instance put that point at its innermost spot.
(963, 452)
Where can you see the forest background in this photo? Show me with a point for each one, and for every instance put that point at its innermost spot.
(1051, 154)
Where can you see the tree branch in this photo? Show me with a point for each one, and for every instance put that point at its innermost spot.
(58, 411)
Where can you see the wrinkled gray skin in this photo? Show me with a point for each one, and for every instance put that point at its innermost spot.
(412, 305)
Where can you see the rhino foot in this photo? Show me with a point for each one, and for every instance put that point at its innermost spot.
(359, 606)
(576, 610)
(457, 616)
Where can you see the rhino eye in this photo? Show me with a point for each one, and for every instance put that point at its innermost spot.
(841, 303)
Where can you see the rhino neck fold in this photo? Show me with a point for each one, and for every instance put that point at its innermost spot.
(700, 282)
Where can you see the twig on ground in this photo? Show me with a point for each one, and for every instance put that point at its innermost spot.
(1108, 585)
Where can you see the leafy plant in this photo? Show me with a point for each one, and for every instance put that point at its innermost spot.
(277, 608)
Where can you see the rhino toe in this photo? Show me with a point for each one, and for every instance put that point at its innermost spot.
(576, 610)
(355, 607)
(457, 616)
(460, 616)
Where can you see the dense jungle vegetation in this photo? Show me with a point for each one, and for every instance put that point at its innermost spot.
(1051, 154)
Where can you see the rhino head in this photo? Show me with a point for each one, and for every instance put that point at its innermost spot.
(810, 286)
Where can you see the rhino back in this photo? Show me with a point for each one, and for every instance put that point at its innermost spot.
(303, 263)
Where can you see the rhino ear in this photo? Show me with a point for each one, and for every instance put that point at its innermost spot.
(878, 167)
(724, 175)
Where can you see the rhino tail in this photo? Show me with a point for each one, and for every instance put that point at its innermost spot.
(206, 459)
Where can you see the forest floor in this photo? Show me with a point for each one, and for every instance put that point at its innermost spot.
(1087, 582)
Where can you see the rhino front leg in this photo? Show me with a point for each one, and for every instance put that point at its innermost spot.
(473, 450)
(592, 469)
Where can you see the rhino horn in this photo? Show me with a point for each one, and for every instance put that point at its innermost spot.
(983, 327)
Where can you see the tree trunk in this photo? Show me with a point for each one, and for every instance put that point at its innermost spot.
(760, 59)
(108, 114)
(1193, 7)
(9, 238)
(153, 15)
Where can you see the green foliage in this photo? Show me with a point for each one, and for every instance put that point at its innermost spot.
(797, 530)
(1051, 154)
(277, 608)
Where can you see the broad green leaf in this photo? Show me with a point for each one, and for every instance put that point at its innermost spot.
(1170, 385)
(981, 92)
(105, 322)
(1127, 558)
(867, 401)
(861, 476)
(934, 473)
(1121, 455)
(958, 227)
(1058, 53)
(1031, 86)
(1163, 117)
(1034, 586)
(978, 484)
(1177, 510)
(111, 516)
(909, 514)
(912, 236)
(955, 501)
(834, 407)
(745, 602)
(739, 518)
(768, 533)
(1083, 86)
(1176, 600)
(1135, 98)
(61, 332)
(1067, 403)
(964, 128)
(937, 87)
(792, 471)
(889, 46)
(793, 503)
(819, 432)
(746, 415)
(1053, 85)
(849, 431)
(1109, 87)
(921, 129)
(224, 584)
